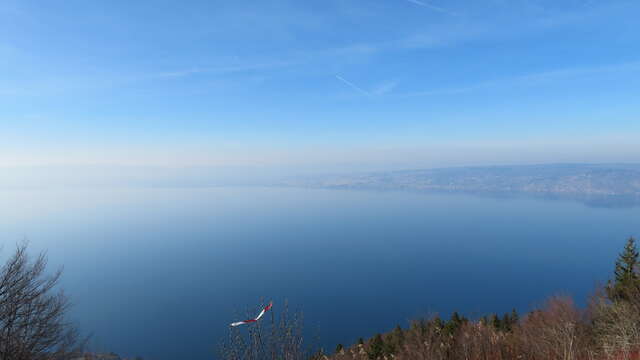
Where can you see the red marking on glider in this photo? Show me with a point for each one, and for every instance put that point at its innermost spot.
(266, 308)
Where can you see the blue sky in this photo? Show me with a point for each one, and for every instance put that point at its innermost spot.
(329, 85)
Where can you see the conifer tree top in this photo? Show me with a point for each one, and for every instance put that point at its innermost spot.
(627, 263)
(626, 272)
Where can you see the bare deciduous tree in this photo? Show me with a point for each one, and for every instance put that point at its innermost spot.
(32, 311)
(617, 323)
(557, 331)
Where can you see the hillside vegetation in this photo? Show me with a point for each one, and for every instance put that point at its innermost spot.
(609, 328)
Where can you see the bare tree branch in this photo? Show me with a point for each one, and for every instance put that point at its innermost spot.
(32, 311)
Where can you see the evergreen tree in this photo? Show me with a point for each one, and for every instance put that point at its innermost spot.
(339, 348)
(627, 262)
(454, 323)
(514, 317)
(456, 319)
(626, 272)
(438, 323)
(389, 346)
(376, 347)
(420, 325)
(495, 322)
(360, 341)
(506, 322)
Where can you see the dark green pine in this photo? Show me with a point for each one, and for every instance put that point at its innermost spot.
(376, 347)
(495, 322)
(626, 272)
(506, 322)
(514, 317)
(626, 264)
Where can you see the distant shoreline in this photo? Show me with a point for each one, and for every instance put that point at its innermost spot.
(599, 185)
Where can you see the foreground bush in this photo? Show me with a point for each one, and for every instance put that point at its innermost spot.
(272, 338)
(32, 311)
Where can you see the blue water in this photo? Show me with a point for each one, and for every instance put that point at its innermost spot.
(161, 272)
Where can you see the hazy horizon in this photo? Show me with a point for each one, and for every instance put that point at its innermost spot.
(34, 176)
(332, 86)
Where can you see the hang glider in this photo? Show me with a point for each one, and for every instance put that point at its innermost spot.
(266, 308)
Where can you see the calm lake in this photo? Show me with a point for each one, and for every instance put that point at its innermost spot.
(161, 272)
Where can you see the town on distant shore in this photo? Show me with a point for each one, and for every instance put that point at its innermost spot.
(607, 185)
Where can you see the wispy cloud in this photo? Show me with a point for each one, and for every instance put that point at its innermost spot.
(222, 69)
(384, 88)
(380, 89)
(582, 70)
(535, 78)
(353, 86)
(432, 7)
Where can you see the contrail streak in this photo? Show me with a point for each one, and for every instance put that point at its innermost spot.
(352, 85)
(432, 7)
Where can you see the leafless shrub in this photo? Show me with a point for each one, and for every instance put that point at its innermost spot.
(557, 331)
(616, 324)
(434, 339)
(274, 337)
(32, 312)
